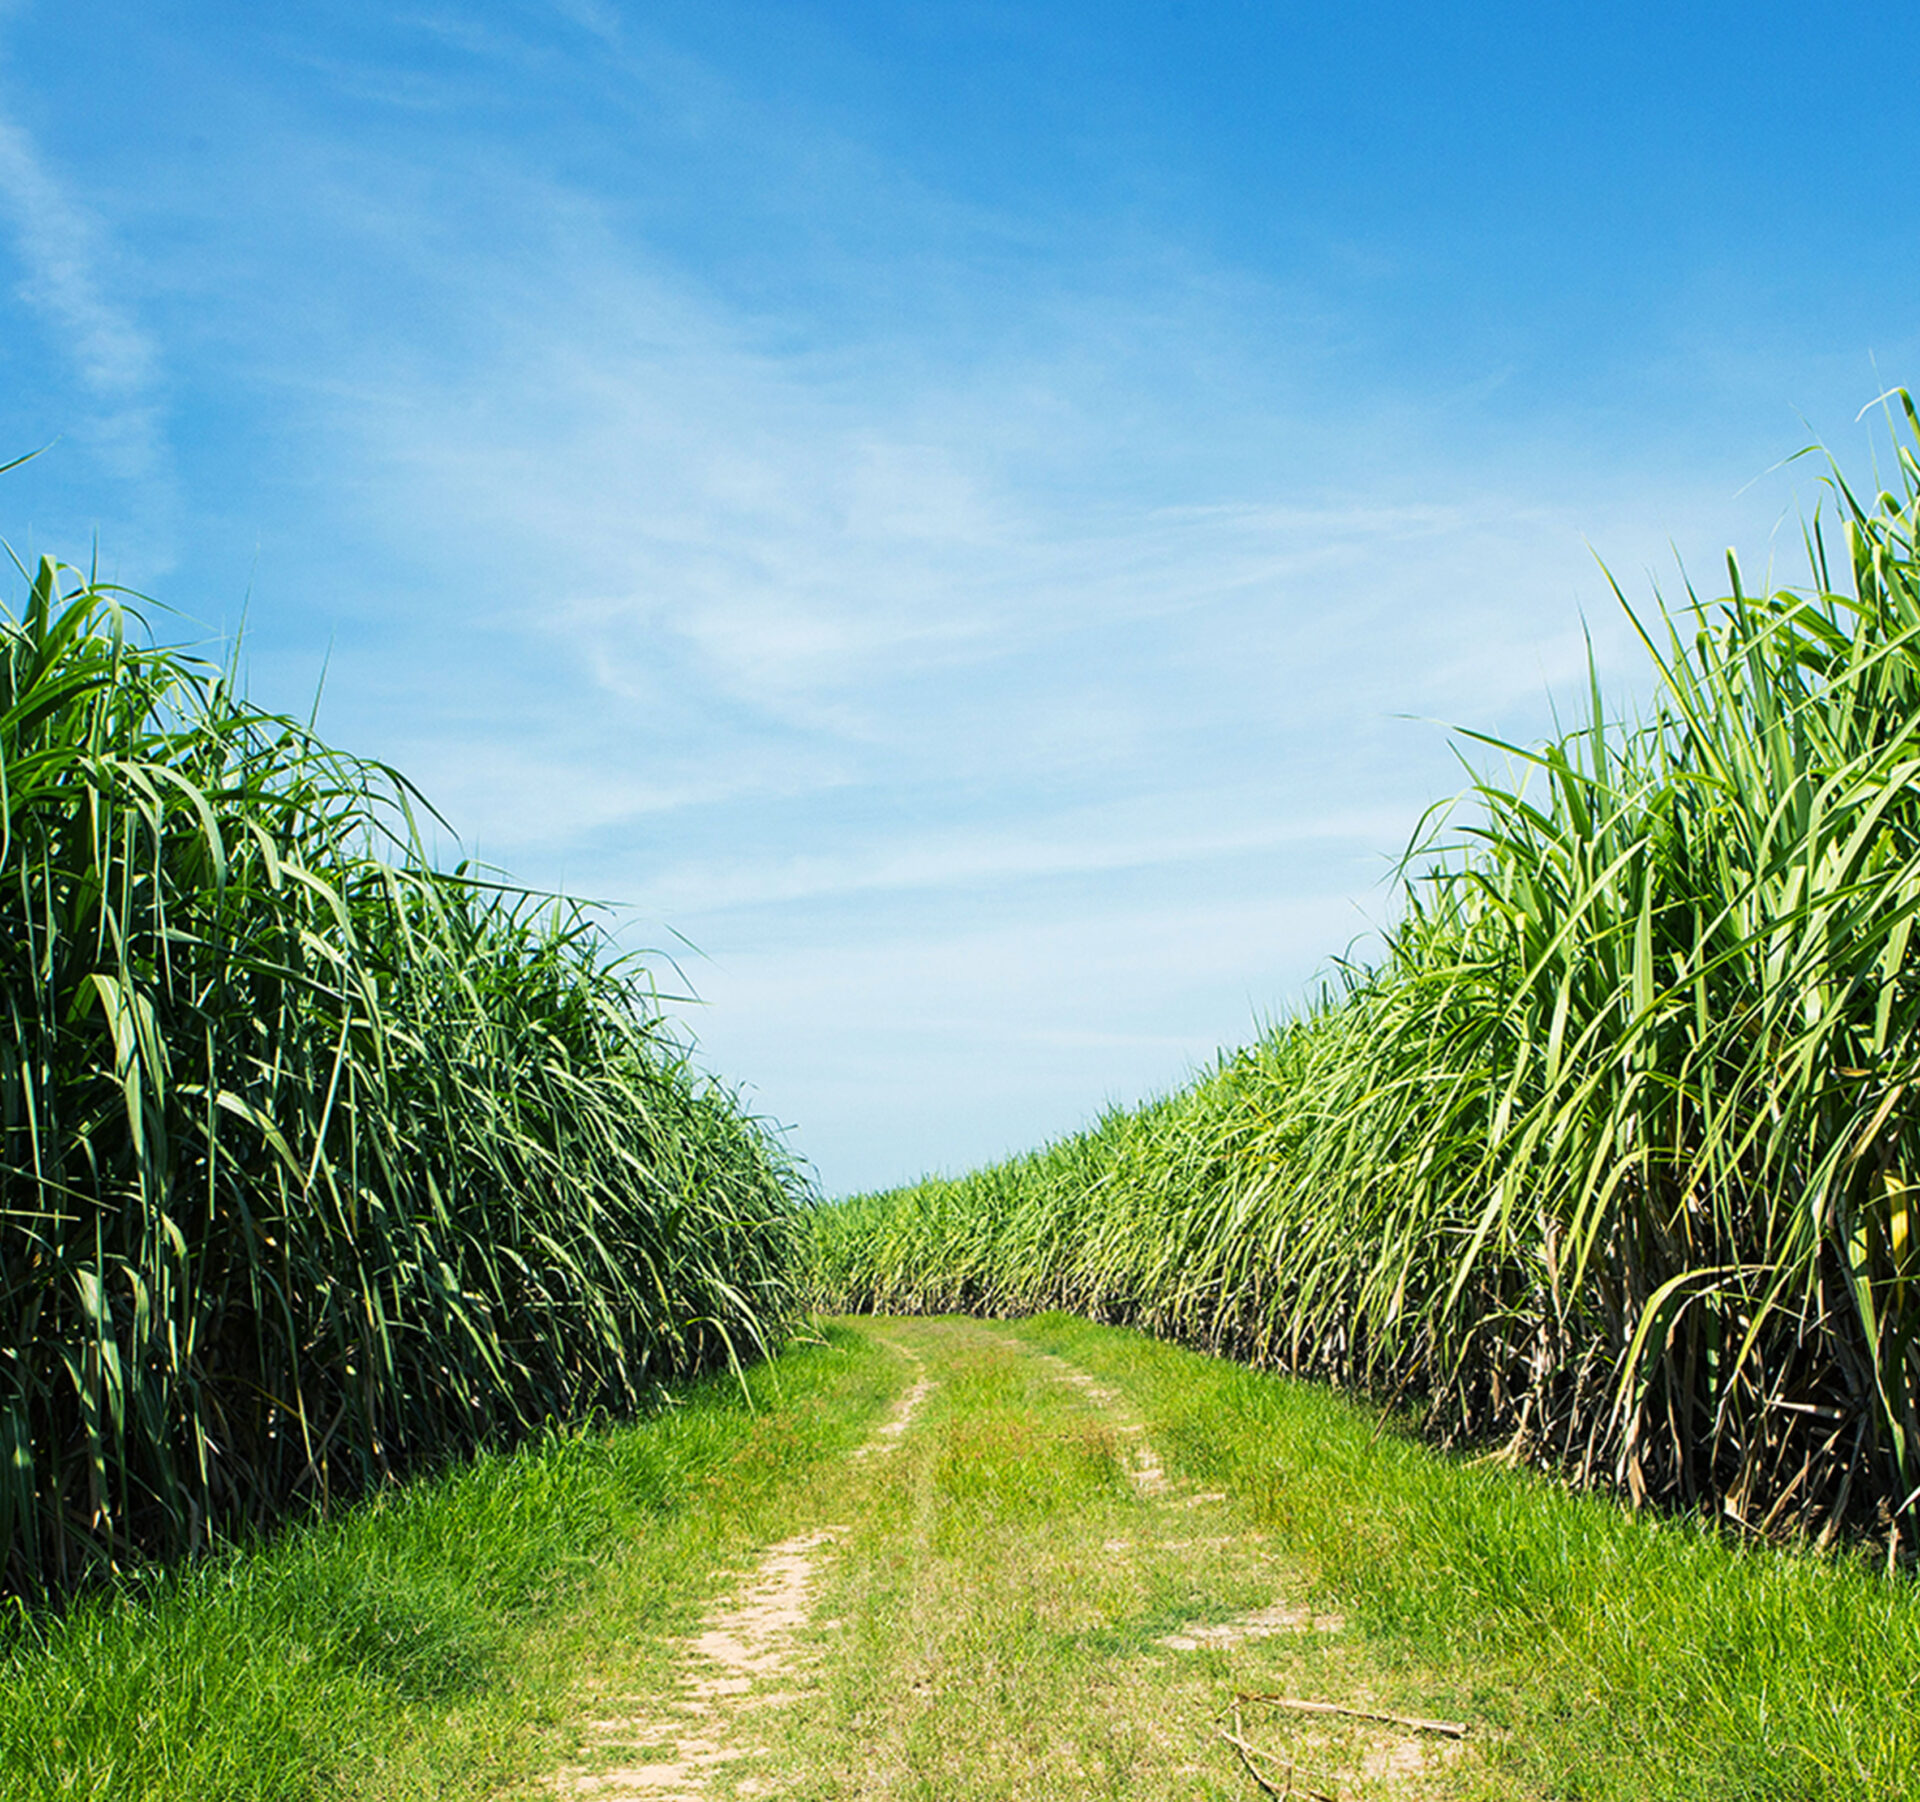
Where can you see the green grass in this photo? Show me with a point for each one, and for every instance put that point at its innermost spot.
(318, 1163)
(989, 1620)
(1609, 1157)
(432, 1642)
(1625, 1656)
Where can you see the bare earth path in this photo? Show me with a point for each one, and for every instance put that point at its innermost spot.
(1008, 1591)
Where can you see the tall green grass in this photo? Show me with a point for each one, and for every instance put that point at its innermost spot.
(318, 1161)
(1611, 1155)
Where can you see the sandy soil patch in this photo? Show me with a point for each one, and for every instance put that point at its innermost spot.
(1263, 1623)
(730, 1663)
(890, 1435)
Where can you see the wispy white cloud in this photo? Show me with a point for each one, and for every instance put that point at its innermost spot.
(802, 534)
(530, 802)
(784, 622)
(1032, 849)
(593, 16)
(67, 255)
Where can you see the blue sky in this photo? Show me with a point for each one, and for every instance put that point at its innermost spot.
(976, 516)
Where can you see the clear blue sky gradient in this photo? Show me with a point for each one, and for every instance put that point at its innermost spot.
(978, 517)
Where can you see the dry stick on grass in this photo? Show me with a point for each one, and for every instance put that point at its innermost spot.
(1412, 1722)
(1248, 1753)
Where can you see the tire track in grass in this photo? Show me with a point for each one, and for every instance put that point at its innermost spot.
(738, 1651)
(1387, 1758)
(1150, 1481)
(889, 1435)
(744, 1660)
(1143, 1467)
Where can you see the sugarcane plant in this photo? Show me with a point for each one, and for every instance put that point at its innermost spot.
(320, 1161)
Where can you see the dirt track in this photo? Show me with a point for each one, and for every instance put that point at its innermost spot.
(1006, 1592)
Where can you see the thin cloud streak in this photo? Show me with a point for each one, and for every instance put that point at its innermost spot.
(64, 249)
(955, 862)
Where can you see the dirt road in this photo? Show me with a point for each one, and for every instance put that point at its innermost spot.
(1010, 1592)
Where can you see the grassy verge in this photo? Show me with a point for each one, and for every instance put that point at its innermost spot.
(1623, 1656)
(427, 1644)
